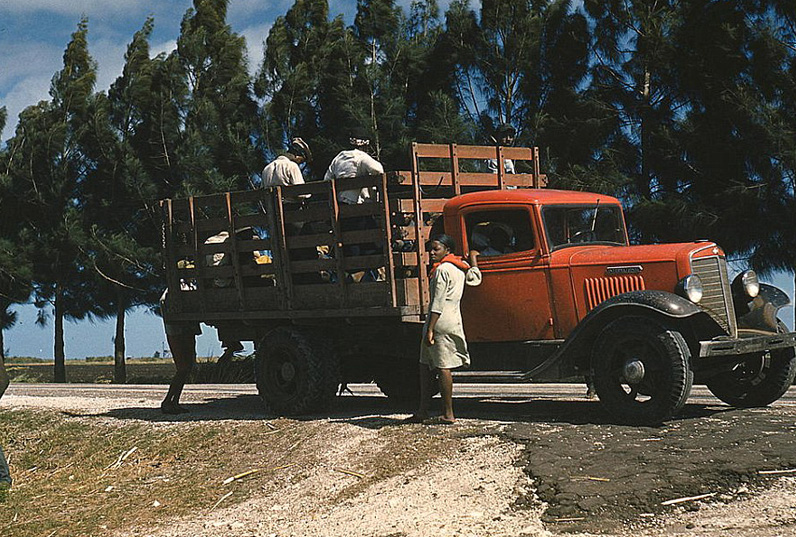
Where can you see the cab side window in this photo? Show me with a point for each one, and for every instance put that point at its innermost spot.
(495, 233)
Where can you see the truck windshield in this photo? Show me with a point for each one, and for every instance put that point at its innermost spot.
(569, 225)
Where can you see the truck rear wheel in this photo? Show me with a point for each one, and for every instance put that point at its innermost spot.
(398, 379)
(296, 372)
(641, 370)
(759, 380)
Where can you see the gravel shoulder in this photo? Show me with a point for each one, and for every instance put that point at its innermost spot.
(546, 466)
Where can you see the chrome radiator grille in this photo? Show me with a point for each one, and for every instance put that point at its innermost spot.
(601, 289)
(716, 298)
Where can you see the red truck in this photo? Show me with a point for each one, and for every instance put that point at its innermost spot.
(563, 292)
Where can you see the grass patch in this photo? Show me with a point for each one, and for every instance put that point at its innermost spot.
(69, 480)
(96, 476)
(139, 371)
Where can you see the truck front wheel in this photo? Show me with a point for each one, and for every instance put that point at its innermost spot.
(758, 381)
(641, 370)
(296, 372)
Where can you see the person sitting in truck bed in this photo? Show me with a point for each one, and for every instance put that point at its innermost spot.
(350, 163)
(504, 136)
(285, 170)
(354, 162)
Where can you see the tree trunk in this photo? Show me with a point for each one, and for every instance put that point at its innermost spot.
(119, 364)
(645, 180)
(2, 345)
(58, 351)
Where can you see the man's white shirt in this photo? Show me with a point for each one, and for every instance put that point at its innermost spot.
(353, 163)
(282, 172)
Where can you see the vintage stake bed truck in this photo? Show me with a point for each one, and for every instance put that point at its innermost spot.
(563, 293)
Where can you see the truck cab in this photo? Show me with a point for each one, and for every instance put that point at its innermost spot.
(561, 281)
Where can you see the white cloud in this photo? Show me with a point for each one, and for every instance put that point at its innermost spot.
(165, 47)
(109, 56)
(28, 91)
(255, 38)
(72, 7)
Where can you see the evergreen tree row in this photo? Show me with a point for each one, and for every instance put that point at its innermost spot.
(684, 109)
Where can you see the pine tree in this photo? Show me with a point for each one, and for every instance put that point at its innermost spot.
(219, 114)
(15, 267)
(47, 170)
(120, 194)
(299, 46)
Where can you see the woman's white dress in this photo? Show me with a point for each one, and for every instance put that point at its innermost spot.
(450, 347)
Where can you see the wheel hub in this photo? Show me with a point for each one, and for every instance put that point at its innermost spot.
(288, 371)
(633, 371)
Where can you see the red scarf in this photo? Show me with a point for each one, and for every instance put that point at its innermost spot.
(455, 260)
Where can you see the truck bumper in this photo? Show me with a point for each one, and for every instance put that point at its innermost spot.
(746, 345)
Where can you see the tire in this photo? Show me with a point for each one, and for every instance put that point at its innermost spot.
(757, 381)
(296, 373)
(397, 378)
(665, 379)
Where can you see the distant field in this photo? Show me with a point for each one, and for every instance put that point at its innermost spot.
(146, 371)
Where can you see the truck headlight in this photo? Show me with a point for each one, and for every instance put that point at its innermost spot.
(690, 287)
(746, 284)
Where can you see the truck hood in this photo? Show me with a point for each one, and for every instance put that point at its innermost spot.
(620, 256)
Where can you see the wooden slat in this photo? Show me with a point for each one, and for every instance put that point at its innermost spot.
(259, 270)
(312, 265)
(254, 244)
(249, 196)
(427, 205)
(315, 188)
(364, 235)
(309, 241)
(215, 248)
(307, 215)
(431, 150)
(209, 201)
(212, 224)
(356, 183)
(364, 209)
(363, 262)
(251, 220)
(222, 271)
(485, 179)
(487, 152)
(324, 296)
(259, 298)
(405, 259)
(407, 291)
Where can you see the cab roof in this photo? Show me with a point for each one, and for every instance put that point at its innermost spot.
(535, 196)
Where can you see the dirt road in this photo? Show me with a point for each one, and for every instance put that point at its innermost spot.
(523, 460)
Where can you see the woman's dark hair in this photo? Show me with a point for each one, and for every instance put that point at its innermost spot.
(445, 240)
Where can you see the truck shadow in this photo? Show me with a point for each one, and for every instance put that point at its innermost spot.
(375, 412)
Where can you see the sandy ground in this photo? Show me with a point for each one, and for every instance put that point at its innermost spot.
(488, 483)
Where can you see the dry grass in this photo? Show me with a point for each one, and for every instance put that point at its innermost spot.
(82, 476)
(239, 371)
(69, 479)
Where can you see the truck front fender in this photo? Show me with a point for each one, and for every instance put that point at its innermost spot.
(576, 348)
(761, 312)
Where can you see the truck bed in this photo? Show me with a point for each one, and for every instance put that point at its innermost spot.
(296, 253)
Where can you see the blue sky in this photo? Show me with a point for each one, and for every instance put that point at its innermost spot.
(33, 35)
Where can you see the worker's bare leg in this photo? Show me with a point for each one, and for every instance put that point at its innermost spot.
(446, 391)
(183, 352)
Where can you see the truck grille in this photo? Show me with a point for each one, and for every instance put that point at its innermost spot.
(716, 298)
(601, 289)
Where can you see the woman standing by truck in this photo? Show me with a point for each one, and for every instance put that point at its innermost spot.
(444, 347)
